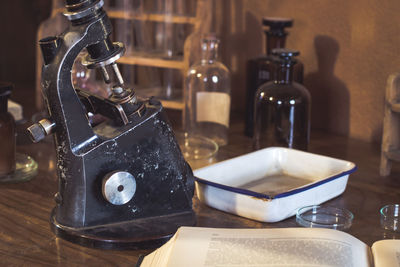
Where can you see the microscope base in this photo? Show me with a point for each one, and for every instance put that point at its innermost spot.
(136, 234)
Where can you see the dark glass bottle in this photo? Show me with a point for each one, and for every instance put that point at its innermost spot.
(262, 69)
(7, 132)
(282, 108)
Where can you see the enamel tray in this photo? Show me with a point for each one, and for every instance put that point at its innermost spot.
(271, 184)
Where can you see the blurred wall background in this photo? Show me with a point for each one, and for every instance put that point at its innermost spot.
(19, 20)
(349, 48)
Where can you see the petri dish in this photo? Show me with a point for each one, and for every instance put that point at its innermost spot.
(196, 147)
(25, 169)
(390, 219)
(198, 151)
(324, 217)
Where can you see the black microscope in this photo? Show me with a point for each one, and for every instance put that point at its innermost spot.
(124, 182)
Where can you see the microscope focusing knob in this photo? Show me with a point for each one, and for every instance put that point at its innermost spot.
(113, 52)
(119, 187)
(41, 129)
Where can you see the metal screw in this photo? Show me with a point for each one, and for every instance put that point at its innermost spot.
(118, 90)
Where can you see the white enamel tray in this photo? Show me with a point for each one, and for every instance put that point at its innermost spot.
(269, 185)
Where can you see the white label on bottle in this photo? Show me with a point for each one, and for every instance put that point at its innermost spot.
(213, 107)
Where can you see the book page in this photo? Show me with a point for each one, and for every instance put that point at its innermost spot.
(211, 247)
(160, 256)
(386, 253)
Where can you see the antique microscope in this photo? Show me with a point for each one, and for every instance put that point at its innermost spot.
(122, 183)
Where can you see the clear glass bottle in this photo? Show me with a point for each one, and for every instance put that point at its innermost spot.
(262, 69)
(7, 132)
(208, 95)
(282, 108)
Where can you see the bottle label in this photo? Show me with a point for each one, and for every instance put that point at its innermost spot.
(213, 107)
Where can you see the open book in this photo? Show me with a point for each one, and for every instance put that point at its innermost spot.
(214, 247)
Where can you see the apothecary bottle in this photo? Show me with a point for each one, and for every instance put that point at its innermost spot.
(208, 95)
(262, 69)
(7, 132)
(282, 108)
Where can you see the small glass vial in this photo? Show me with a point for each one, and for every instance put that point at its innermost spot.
(282, 108)
(262, 69)
(208, 95)
(7, 132)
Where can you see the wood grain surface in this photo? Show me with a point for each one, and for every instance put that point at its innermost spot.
(26, 238)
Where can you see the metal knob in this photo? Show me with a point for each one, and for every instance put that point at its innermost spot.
(40, 130)
(119, 187)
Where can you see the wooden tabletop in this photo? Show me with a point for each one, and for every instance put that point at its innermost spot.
(26, 238)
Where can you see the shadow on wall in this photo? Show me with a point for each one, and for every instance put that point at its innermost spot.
(330, 108)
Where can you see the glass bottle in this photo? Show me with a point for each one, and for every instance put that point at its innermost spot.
(7, 132)
(14, 167)
(262, 69)
(208, 95)
(282, 108)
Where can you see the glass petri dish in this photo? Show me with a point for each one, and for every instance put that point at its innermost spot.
(196, 147)
(390, 217)
(25, 169)
(197, 150)
(324, 217)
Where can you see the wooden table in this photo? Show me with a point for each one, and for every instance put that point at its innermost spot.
(26, 239)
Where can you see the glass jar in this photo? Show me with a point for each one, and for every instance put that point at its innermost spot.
(282, 108)
(14, 167)
(208, 95)
(7, 132)
(262, 69)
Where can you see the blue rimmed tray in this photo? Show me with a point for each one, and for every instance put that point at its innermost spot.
(271, 184)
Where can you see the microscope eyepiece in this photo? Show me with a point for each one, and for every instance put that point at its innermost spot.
(49, 47)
